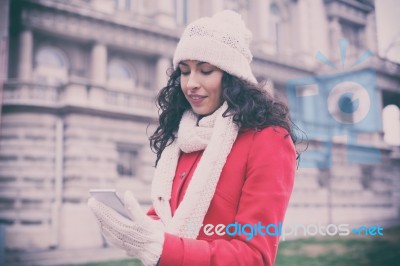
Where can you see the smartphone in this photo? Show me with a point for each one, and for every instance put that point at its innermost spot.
(110, 198)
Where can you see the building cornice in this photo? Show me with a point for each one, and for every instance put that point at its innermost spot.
(365, 6)
(277, 71)
(351, 11)
(85, 98)
(85, 10)
(88, 25)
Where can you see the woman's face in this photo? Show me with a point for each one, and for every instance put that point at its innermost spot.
(201, 84)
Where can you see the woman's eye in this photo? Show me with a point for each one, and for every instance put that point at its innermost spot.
(207, 72)
(185, 73)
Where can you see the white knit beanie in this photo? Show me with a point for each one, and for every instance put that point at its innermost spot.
(222, 40)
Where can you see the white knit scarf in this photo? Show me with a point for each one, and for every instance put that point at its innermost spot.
(214, 133)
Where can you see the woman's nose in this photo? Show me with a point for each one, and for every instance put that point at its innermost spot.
(192, 83)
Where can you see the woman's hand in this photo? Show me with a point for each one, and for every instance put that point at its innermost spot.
(141, 237)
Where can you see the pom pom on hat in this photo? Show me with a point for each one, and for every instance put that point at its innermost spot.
(222, 40)
(235, 21)
(230, 17)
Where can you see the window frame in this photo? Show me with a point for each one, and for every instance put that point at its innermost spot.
(49, 74)
(121, 84)
(133, 163)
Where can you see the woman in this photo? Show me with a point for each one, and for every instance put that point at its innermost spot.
(225, 159)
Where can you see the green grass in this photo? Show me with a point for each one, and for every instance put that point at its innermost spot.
(330, 251)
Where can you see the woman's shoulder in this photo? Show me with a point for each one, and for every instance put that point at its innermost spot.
(267, 132)
(270, 145)
(271, 138)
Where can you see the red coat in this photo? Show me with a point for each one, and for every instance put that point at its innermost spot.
(255, 186)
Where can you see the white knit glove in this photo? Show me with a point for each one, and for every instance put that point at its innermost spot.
(142, 237)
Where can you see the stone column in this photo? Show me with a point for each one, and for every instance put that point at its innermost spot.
(335, 32)
(193, 10)
(165, 14)
(99, 64)
(303, 27)
(371, 38)
(216, 6)
(162, 66)
(96, 92)
(258, 20)
(25, 55)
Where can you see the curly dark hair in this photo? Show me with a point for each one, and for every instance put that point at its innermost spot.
(250, 105)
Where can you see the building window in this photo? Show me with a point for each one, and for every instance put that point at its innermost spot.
(391, 124)
(51, 67)
(181, 12)
(128, 160)
(123, 5)
(121, 76)
(275, 21)
(50, 56)
(352, 33)
(236, 5)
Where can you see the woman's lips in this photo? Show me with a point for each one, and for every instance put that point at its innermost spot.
(196, 99)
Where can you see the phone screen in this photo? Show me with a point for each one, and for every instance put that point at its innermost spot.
(110, 198)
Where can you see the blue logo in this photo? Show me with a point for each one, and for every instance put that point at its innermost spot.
(339, 107)
(368, 231)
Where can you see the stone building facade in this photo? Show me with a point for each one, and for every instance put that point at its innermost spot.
(78, 107)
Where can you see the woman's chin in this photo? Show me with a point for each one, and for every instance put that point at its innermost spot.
(201, 111)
